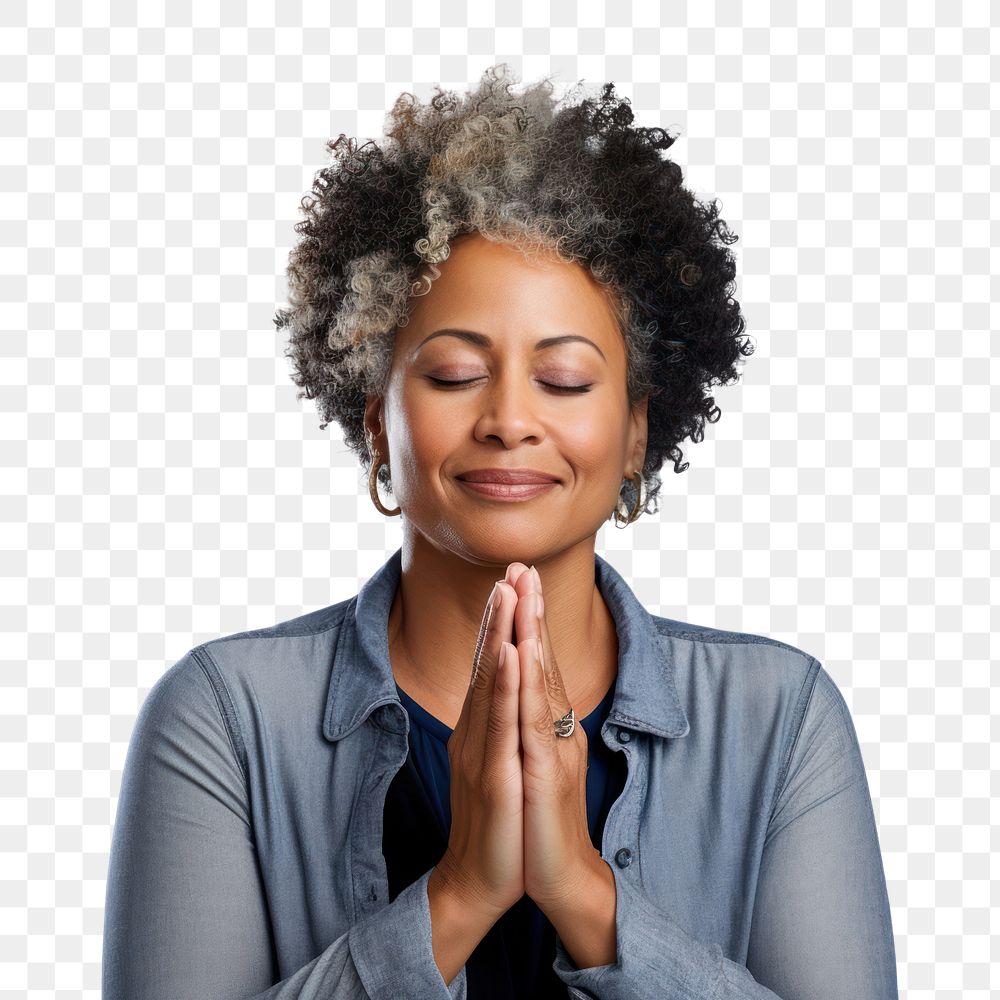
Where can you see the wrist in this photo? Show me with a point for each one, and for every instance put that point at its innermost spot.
(449, 891)
(590, 870)
(588, 927)
(456, 929)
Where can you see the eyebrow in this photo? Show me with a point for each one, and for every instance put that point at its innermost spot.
(481, 340)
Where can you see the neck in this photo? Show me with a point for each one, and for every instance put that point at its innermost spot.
(437, 610)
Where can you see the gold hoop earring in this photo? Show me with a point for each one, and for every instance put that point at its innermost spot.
(636, 512)
(373, 489)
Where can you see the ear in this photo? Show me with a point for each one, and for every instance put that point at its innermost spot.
(373, 423)
(638, 429)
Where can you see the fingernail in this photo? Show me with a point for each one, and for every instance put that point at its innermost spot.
(495, 596)
(541, 604)
(538, 579)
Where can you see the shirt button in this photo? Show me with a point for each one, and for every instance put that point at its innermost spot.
(624, 735)
(623, 858)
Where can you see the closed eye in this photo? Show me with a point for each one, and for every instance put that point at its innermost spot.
(549, 385)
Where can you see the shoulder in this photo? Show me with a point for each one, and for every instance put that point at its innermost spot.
(314, 623)
(746, 694)
(752, 687)
(288, 652)
(287, 663)
(734, 664)
(258, 679)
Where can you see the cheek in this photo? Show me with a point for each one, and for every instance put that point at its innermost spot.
(423, 435)
(592, 444)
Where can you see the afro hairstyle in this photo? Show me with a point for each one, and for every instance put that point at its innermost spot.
(568, 176)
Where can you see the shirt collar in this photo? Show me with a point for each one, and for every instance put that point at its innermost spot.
(361, 678)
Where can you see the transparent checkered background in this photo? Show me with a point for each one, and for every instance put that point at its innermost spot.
(162, 485)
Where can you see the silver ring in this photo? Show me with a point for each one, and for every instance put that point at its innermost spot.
(565, 726)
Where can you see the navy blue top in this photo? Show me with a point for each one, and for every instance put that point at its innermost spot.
(515, 958)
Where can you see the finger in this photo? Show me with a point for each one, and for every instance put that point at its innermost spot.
(526, 617)
(536, 720)
(518, 572)
(493, 604)
(553, 678)
(522, 578)
(530, 620)
(502, 740)
(480, 696)
(514, 572)
(461, 727)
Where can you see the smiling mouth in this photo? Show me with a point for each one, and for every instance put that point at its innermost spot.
(508, 476)
(508, 491)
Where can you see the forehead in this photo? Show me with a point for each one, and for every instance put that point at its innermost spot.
(495, 289)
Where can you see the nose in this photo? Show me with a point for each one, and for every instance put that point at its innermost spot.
(509, 412)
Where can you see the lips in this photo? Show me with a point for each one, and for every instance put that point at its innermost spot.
(507, 477)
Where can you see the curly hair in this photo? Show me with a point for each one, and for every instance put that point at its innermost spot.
(536, 174)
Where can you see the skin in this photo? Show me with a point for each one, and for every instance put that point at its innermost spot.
(457, 543)
(510, 772)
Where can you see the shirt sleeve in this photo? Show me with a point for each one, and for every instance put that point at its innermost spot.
(821, 926)
(186, 917)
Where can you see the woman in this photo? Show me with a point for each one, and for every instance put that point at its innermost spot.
(493, 773)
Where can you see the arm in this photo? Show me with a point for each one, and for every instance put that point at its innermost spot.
(821, 926)
(186, 916)
(459, 926)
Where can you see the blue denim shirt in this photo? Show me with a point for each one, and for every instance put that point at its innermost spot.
(246, 862)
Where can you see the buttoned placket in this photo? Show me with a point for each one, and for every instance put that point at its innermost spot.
(619, 827)
(618, 841)
(369, 872)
